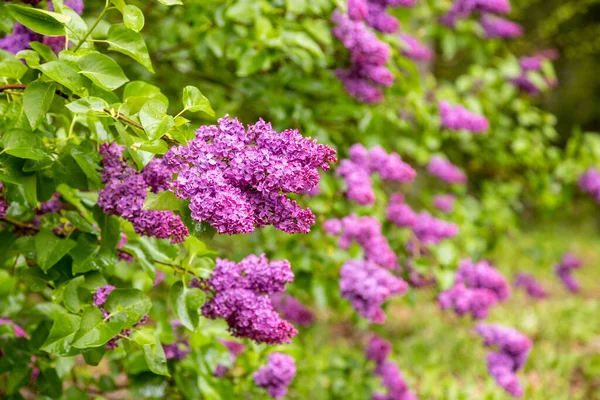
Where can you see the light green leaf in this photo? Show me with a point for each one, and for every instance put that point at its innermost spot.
(102, 70)
(24, 144)
(155, 357)
(13, 69)
(37, 100)
(186, 304)
(194, 100)
(44, 51)
(130, 43)
(171, 2)
(163, 201)
(154, 119)
(62, 333)
(88, 105)
(50, 249)
(62, 73)
(130, 301)
(119, 4)
(94, 331)
(40, 21)
(133, 18)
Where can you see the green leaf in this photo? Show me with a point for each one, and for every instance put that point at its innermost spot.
(71, 298)
(50, 249)
(194, 100)
(62, 333)
(119, 4)
(186, 304)
(44, 51)
(130, 43)
(62, 73)
(154, 119)
(32, 58)
(163, 201)
(171, 2)
(85, 254)
(132, 302)
(88, 105)
(37, 100)
(13, 69)
(102, 70)
(94, 331)
(133, 17)
(24, 144)
(41, 21)
(155, 357)
(303, 40)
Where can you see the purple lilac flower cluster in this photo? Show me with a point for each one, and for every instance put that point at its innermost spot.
(362, 163)
(445, 171)
(400, 213)
(17, 330)
(277, 375)
(513, 350)
(367, 286)
(292, 310)
(564, 270)
(235, 349)
(125, 191)
(534, 63)
(19, 39)
(462, 9)
(378, 350)
(128, 258)
(242, 298)
(375, 13)
(368, 56)
(478, 286)
(180, 348)
(444, 203)
(101, 295)
(589, 182)
(3, 203)
(496, 27)
(237, 178)
(366, 231)
(414, 49)
(531, 285)
(458, 118)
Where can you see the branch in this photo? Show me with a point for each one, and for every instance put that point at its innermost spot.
(20, 224)
(18, 86)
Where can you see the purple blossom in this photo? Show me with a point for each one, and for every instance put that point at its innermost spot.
(241, 298)
(482, 275)
(17, 330)
(513, 350)
(589, 182)
(393, 380)
(3, 203)
(458, 118)
(446, 171)
(75, 5)
(380, 20)
(378, 349)
(102, 294)
(19, 39)
(292, 310)
(462, 9)
(124, 194)
(533, 63)
(400, 213)
(531, 285)
(367, 286)
(332, 226)
(414, 49)
(430, 230)
(496, 27)
(444, 203)
(564, 270)
(357, 9)
(277, 375)
(235, 349)
(237, 178)
(180, 348)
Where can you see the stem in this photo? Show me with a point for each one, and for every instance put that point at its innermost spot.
(89, 32)
(20, 224)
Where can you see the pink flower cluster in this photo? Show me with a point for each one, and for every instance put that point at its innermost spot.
(414, 49)
(237, 178)
(496, 27)
(564, 270)
(444, 203)
(534, 63)
(458, 118)
(17, 330)
(445, 171)
(357, 170)
(366, 231)
(180, 348)
(368, 56)
(512, 351)
(375, 13)
(367, 286)
(125, 191)
(292, 309)
(589, 182)
(531, 285)
(392, 379)
(241, 296)
(478, 286)
(462, 9)
(277, 375)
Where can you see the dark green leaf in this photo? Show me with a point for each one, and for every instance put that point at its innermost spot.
(62, 333)
(37, 101)
(50, 249)
(40, 21)
(24, 144)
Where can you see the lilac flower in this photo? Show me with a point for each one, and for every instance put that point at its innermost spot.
(357, 9)
(124, 194)
(379, 19)
(241, 297)
(359, 187)
(414, 49)
(17, 330)
(160, 277)
(462, 9)
(75, 5)
(19, 39)
(458, 118)
(277, 375)
(237, 178)
(430, 230)
(496, 27)
(3, 203)
(533, 63)
(360, 88)
(180, 348)
(446, 171)
(235, 348)
(378, 349)
(531, 285)
(367, 286)
(332, 226)
(53, 205)
(292, 310)
(366, 231)
(589, 182)
(114, 342)
(400, 213)
(102, 294)
(393, 380)
(564, 270)
(444, 203)
(513, 350)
